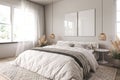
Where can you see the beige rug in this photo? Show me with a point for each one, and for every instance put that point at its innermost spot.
(104, 73)
(3, 77)
(16, 73)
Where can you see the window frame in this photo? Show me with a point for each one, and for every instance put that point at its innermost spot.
(7, 23)
(11, 24)
(117, 21)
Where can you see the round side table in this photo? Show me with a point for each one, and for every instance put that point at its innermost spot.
(103, 52)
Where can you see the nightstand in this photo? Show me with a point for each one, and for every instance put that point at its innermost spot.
(103, 52)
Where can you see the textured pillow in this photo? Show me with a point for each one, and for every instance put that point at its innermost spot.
(85, 46)
(64, 43)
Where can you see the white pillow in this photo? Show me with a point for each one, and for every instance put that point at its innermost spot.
(86, 45)
(65, 43)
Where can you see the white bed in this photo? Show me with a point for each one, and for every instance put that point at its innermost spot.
(55, 66)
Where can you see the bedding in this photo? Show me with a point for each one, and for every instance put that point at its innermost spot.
(77, 56)
(56, 66)
(87, 53)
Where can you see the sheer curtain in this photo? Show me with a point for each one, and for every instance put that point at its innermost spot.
(26, 25)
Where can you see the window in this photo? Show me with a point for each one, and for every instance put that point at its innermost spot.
(5, 24)
(118, 18)
(17, 24)
(23, 24)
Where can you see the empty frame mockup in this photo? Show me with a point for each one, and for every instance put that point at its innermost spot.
(70, 24)
(86, 23)
(80, 23)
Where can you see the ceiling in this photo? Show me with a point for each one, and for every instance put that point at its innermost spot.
(44, 2)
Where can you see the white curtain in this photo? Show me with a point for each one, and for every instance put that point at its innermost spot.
(26, 25)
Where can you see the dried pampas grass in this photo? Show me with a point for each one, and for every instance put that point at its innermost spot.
(116, 44)
(42, 41)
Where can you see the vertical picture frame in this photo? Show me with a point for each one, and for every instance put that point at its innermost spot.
(70, 24)
(86, 23)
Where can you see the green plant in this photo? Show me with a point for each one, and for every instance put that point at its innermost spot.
(116, 54)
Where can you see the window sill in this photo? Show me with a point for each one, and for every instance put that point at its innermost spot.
(8, 42)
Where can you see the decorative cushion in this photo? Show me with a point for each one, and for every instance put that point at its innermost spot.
(86, 45)
(65, 43)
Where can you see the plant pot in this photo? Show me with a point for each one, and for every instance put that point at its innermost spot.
(116, 62)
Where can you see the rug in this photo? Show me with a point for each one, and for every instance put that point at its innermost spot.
(16, 73)
(11, 72)
(104, 73)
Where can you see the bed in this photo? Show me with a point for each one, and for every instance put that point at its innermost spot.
(63, 61)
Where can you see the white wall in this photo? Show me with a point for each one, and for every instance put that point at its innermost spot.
(60, 9)
(13, 49)
(67, 6)
(9, 50)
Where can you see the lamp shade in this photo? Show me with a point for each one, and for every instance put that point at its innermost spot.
(102, 37)
(52, 36)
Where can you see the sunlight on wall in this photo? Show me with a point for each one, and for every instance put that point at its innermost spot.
(118, 18)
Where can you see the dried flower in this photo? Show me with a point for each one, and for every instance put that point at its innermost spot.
(43, 41)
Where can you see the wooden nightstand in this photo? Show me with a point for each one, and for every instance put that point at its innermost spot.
(103, 52)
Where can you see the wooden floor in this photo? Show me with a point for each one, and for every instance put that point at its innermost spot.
(118, 75)
(10, 59)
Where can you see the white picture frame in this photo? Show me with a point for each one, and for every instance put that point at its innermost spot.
(86, 23)
(70, 24)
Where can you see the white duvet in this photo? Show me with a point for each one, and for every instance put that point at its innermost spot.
(55, 66)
